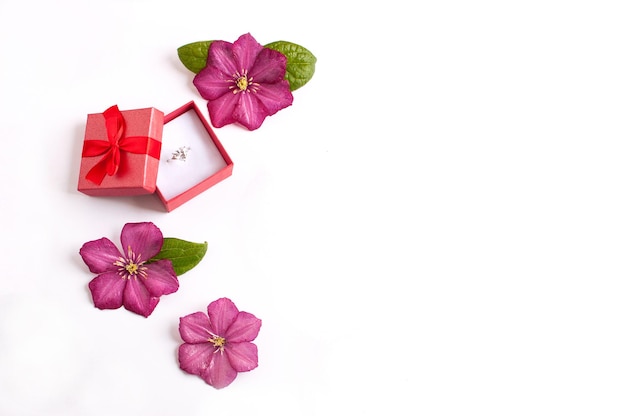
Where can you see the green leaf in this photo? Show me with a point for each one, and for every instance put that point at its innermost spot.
(193, 55)
(184, 255)
(300, 62)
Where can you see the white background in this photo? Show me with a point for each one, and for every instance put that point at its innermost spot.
(437, 226)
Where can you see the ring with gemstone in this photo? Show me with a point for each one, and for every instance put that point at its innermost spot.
(180, 154)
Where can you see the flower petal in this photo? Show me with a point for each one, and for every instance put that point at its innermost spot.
(245, 328)
(161, 279)
(137, 298)
(243, 356)
(219, 373)
(222, 313)
(253, 108)
(107, 290)
(275, 97)
(207, 362)
(212, 83)
(249, 112)
(195, 358)
(221, 57)
(145, 239)
(100, 255)
(270, 67)
(221, 109)
(245, 50)
(194, 328)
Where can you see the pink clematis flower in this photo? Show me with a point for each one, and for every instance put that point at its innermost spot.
(125, 278)
(218, 346)
(243, 82)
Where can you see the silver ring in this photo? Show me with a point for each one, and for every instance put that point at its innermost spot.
(180, 154)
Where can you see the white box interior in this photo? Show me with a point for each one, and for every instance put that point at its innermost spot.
(203, 158)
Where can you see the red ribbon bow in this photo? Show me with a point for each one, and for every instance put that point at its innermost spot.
(111, 149)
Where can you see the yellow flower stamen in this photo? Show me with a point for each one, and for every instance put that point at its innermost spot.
(131, 265)
(218, 342)
(243, 83)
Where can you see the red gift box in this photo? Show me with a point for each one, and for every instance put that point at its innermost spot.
(136, 152)
(207, 162)
(121, 152)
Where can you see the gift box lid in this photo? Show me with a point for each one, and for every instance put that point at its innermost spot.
(176, 156)
(121, 150)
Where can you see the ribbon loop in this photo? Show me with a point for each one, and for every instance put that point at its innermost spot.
(115, 144)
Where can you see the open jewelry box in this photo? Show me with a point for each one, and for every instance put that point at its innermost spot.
(135, 152)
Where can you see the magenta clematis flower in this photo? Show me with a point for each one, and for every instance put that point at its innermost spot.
(243, 82)
(126, 278)
(218, 346)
